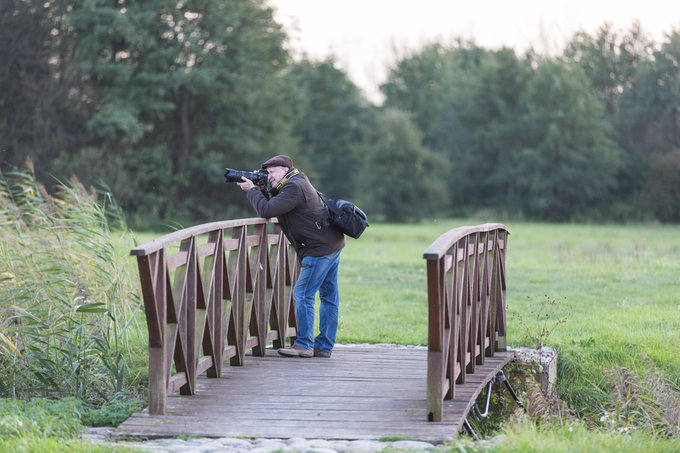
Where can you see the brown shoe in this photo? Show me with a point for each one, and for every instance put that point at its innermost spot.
(320, 353)
(296, 351)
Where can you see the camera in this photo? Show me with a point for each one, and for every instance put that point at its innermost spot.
(258, 177)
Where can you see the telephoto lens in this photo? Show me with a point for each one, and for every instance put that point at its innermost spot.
(258, 177)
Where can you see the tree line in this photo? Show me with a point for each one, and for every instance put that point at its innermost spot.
(153, 99)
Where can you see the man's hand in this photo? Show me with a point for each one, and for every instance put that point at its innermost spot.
(246, 185)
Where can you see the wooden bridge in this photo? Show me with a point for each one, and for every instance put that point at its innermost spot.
(218, 302)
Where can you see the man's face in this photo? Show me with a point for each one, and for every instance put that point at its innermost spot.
(275, 174)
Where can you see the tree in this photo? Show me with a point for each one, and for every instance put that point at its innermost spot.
(330, 114)
(610, 60)
(399, 179)
(427, 85)
(153, 98)
(182, 90)
(661, 192)
(483, 128)
(466, 100)
(38, 113)
(648, 121)
(616, 63)
(568, 164)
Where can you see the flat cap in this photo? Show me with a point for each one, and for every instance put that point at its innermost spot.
(279, 161)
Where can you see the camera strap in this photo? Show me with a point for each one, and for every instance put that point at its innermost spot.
(292, 172)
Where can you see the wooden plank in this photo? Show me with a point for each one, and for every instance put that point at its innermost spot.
(360, 393)
(180, 235)
(446, 240)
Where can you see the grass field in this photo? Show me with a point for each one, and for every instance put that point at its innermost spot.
(619, 287)
(604, 296)
(615, 287)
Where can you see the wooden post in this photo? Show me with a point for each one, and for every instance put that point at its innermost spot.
(484, 301)
(189, 314)
(454, 315)
(464, 340)
(153, 274)
(493, 288)
(260, 313)
(216, 292)
(279, 307)
(474, 308)
(435, 363)
(501, 341)
(238, 302)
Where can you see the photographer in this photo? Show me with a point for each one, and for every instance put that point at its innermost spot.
(303, 217)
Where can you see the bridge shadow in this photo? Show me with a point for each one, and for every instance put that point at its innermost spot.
(362, 392)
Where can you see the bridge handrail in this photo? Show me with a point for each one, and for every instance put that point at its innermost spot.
(231, 294)
(225, 296)
(196, 230)
(466, 306)
(443, 243)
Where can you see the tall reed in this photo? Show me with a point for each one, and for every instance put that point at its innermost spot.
(66, 305)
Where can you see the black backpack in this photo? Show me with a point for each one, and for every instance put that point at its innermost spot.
(346, 216)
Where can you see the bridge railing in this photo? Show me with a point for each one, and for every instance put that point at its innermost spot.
(466, 307)
(211, 292)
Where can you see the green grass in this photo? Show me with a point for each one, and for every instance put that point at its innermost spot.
(56, 445)
(42, 425)
(615, 287)
(619, 288)
(525, 437)
(383, 287)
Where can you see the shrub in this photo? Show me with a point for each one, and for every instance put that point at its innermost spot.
(40, 417)
(113, 412)
(66, 305)
(662, 188)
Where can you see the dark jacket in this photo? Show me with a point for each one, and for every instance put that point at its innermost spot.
(302, 215)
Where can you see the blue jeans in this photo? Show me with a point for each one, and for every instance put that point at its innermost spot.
(317, 273)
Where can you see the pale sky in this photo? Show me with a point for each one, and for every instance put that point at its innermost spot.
(368, 36)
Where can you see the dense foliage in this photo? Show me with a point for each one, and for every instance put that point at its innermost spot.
(67, 307)
(155, 98)
(42, 425)
(40, 417)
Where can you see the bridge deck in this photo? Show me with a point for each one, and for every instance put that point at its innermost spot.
(360, 393)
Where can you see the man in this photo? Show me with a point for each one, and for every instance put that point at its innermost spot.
(303, 217)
